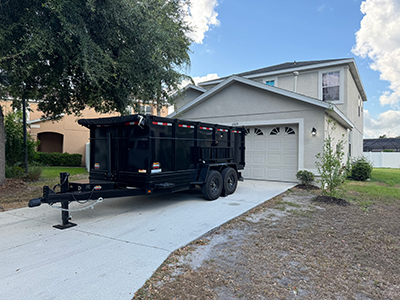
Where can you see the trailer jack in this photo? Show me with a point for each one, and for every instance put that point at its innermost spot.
(65, 218)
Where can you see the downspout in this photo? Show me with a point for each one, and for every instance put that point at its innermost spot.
(295, 74)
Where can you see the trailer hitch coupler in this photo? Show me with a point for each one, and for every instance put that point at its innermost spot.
(35, 202)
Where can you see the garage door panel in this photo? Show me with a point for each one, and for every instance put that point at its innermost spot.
(258, 173)
(289, 160)
(274, 159)
(290, 145)
(258, 159)
(272, 155)
(274, 174)
(258, 145)
(288, 174)
(274, 145)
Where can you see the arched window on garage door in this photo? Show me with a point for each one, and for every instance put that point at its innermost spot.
(51, 142)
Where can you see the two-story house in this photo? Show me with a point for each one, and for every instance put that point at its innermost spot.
(284, 109)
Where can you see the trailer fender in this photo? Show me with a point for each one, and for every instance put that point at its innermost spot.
(203, 174)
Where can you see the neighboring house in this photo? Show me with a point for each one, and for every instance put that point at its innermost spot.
(379, 145)
(284, 109)
(65, 135)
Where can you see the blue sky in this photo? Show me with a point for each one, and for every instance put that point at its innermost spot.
(236, 36)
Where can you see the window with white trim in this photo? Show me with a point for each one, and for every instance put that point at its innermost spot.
(331, 86)
(270, 82)
(145, 109)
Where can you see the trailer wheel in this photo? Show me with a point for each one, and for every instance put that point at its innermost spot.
(230, 180)
(212, 188)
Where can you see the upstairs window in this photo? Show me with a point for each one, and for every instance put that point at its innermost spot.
(331, 86)
(270, 82)
(145, 109)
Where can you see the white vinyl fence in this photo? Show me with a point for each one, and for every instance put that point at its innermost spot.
(384, 159)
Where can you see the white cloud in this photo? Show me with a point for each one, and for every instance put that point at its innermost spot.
(379, 40)
(201, 15)
(386, 123)
(197, 80)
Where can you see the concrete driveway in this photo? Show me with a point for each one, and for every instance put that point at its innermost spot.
(116, 246)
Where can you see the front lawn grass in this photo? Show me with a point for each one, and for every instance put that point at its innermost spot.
(390, 177)
(383, 187)
(54, 172)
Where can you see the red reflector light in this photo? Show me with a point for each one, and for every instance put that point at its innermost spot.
(162, 123)
(185, 126)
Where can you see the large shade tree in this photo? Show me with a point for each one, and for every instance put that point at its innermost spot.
(104, 54)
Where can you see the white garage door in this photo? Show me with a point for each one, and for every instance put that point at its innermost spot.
(272, 152)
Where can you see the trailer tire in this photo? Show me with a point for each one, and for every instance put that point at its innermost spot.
(230, 180)
(212, 188)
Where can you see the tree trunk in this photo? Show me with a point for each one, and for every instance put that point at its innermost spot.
(2, 149)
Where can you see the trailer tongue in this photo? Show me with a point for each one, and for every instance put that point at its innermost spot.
(137, 155)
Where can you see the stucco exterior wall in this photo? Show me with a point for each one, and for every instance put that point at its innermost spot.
(339, 134)
(186, 97)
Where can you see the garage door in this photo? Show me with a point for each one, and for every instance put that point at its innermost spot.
(272, 152)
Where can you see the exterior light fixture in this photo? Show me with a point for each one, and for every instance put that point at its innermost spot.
(313, 131)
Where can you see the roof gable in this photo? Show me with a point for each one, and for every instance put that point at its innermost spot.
(337, 114)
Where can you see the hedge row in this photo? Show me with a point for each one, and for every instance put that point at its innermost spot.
(59, 159)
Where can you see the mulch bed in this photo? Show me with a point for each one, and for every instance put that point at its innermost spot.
(305, 187)
(12, 186)
(331, 200)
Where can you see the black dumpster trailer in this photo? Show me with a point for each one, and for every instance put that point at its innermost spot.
(137, 155)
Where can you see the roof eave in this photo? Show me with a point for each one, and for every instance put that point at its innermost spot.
(249, 82)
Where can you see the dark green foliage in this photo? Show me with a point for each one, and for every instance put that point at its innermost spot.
(388, 150)
(306, 177)
(59, 159)
(18, 172)
(361, 169)
(103, 54)
(14, 144)
(14, 172)
(33, 173)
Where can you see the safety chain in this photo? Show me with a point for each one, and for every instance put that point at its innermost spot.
(80, 209)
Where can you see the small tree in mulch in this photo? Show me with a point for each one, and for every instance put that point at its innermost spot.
(329, 165)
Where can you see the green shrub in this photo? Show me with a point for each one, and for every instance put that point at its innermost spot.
(361, 169)
(306, 177)
(59, 159)
(14, 172)
(388, 150)
(14, 144)
(34, 173)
